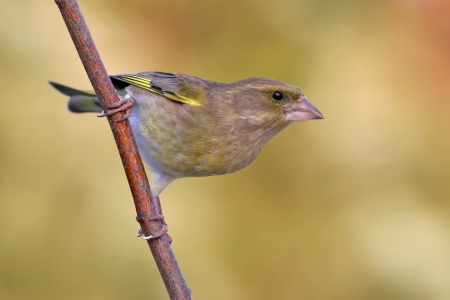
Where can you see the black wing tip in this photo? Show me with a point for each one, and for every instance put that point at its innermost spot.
(68, 91)
(118, 82)
(55, 84)
(63, 89)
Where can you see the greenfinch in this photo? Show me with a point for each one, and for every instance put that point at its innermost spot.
(186, 126)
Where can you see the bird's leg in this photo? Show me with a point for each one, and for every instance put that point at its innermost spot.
(158, 217)
(124, 105)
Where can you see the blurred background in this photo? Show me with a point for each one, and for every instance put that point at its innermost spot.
(356, 206)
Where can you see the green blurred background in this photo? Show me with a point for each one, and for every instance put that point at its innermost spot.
(356, 206)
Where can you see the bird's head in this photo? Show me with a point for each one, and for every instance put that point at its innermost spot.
(268, 100)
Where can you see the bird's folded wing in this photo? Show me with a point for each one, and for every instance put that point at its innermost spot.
(146, 81)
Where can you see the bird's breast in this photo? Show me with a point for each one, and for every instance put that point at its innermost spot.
(179, 141)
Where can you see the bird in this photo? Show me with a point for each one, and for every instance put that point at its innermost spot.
(186, 126)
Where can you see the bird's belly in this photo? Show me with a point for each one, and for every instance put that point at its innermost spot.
(182, 150)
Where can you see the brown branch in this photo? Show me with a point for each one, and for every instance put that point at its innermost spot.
(145, 205)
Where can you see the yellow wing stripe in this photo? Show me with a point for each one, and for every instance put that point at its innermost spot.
(139, 81)
(187, 100)
(146, 84)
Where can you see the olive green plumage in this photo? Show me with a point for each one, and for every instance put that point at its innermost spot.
(186, 126)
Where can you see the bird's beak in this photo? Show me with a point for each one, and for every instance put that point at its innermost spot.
(302, 110)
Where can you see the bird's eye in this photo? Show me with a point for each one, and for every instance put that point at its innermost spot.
(277, 95)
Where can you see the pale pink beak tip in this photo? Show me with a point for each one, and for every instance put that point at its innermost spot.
(304, 111)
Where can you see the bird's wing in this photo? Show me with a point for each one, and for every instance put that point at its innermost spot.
(68, 91)
(169, 85)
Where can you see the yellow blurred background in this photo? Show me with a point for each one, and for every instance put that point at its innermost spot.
(356, 206)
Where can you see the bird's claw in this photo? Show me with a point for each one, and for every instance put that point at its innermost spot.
(125, 105)
(157, 235)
